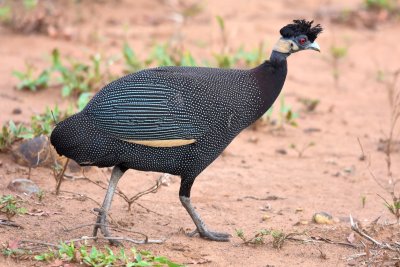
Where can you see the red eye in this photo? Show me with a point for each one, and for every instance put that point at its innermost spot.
(302, 41)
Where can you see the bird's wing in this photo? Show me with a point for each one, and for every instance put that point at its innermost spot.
(146, 112)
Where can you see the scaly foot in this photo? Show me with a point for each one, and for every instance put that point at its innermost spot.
(102, 223)
(214, 236)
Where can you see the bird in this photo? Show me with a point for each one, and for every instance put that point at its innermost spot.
(176, 119)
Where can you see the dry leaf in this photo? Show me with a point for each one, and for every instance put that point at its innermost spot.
(37, 212)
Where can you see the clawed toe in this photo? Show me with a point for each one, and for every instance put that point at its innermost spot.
(214, 236)
(101, 223)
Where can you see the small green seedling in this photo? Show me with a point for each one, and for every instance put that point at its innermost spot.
(40, 195)
(337, 53)
(286, 114)
(11, 133)
(388, 5)
(45, 256)
(393, 207)
(28, 81)
(77, 77)
(257, 239)
(30, 4)
(278, 237)
(5, 14)
(363, 201)
(95, 257)
(300, 151)
(11, 206)
(310, 104)
(132, 62)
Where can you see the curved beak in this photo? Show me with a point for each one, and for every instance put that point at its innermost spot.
(314, 46)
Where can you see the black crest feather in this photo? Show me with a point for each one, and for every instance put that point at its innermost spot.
(299, 27)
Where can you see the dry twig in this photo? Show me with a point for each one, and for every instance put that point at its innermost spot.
(9, 223)
(382, 245)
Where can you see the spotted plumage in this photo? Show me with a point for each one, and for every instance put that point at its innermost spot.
(174, 119)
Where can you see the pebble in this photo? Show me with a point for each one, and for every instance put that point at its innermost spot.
(322, 218)
(23, 185)
(266, 217)
(34, 152)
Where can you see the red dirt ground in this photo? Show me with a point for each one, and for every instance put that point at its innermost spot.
(250, 166)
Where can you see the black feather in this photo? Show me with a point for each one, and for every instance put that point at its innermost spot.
(301, 27)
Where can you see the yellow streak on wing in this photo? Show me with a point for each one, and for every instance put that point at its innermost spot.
(163, 143)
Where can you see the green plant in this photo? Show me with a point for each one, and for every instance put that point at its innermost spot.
(45, 256)
(363, 201)
(286, 114)
(310, 104)
(30, 4)
(388, 5)
(337, 53)
(29, 82)
(16, 253)
(257, 239)
(97, 258)
(300, 151)
(78, 77)
(11, 206)
(10, 133)
(392, 205)
(39, 124)
(221, 25)
(132, 62)
(40, 195)
(44, 123)
(68, 252)
(5, 14)
(279, 238)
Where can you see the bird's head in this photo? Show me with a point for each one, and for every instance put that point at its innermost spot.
(298, 36)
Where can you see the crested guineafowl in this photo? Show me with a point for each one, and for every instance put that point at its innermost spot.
(176, 120)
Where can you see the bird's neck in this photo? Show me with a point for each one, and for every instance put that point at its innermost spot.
(271, 76)
(278, 58)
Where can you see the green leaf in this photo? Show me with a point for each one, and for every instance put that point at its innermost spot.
(83, 99)
(5, 13)
(40, 257)
(12, 126)
(221, 22)
(66, 91)
(19, 75)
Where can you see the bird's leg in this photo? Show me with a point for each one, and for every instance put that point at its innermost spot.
(101, 221)
(201, 227)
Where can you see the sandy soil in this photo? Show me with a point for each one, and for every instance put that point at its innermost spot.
(329, 177)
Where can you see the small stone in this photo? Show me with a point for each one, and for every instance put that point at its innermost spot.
(34, 152)
(253, 140)
(23, 185)
(311, 130)
(349, 170)
(165, 179)
(16, 111)
(266, 217)
(299, 210)
(281, 151)
(301, 222)
(322, 218)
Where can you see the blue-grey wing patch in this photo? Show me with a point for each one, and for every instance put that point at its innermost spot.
(145, 113)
